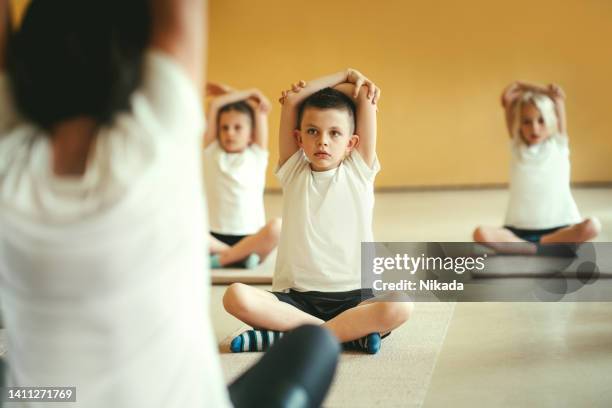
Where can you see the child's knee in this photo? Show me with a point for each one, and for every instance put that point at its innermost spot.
(235, 299)
(393, 314)
(479, 235)
(273, 229)
(591, 227)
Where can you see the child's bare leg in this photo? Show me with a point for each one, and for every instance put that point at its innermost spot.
(581, 232)
(261, 243)
(369, 317)
(215, 246)
(494, 234)
(496, 238)
(261, 309)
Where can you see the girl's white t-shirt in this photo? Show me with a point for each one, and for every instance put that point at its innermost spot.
(326, 216)
(234, 187)
(540, 194)
(103, 277)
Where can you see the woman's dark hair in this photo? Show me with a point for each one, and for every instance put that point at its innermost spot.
(75, 58)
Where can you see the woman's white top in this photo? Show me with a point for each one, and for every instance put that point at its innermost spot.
(103, 277)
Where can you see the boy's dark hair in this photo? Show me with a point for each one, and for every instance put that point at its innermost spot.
(75, 58)
(328, 98)
(241, 107)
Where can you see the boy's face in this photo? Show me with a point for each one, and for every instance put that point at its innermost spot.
(325, 136)
(533, 128)
(235, 131)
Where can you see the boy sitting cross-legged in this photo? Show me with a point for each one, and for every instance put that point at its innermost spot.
(327, 166)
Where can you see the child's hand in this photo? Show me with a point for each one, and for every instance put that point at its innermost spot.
(555, 92)
(355, 77)
(511, 94)
(216, 89)
(295, 88)
(258, 101)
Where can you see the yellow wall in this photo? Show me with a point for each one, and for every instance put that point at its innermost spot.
(18, 8)
(441, 66)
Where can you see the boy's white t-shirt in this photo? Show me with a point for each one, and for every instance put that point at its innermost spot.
(103, 279)
(540, 194)
(326, 216)
(234, 187)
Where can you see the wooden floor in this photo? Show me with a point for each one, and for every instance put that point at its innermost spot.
(491, 354)
(468, 354)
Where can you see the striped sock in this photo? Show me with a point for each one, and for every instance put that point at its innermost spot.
(214, 261)
(370, 344)
(255, 340)
(563, 250)
(250, 261)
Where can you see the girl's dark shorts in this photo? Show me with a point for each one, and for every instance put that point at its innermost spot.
(230, 240)
(532, 235)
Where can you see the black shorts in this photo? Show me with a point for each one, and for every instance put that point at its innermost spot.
(532, 235)
(230, 240)
(324, 305)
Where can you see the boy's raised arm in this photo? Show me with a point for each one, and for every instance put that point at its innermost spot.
(178, 30)
(236, 96)
(5, 28)
(366, 109)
